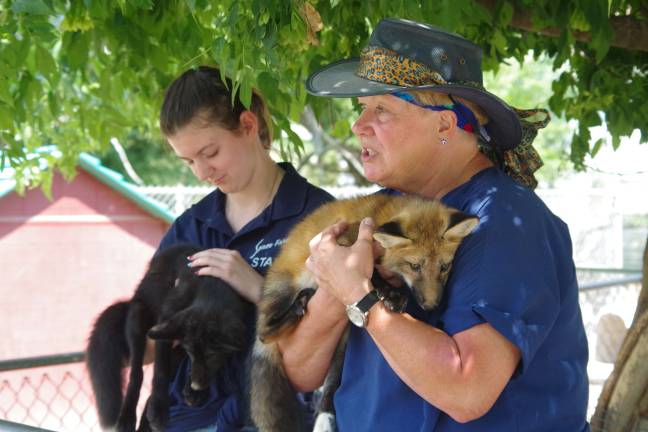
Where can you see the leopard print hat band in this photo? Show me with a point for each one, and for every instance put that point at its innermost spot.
(387, 66)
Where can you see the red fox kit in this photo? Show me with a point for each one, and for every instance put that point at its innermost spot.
(419, 238)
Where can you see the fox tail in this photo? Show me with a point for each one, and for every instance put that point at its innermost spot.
(106, 355)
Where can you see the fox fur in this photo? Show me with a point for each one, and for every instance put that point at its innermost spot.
(419, 238)
(171, 303)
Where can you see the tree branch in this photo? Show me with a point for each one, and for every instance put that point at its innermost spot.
(125, 162)
(629, 33)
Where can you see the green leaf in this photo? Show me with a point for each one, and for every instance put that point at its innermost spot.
(5, 95)
(6, 116)
(616, 141)
(597, 146)
(53, 104)
(33, 7)
(246, 94)
(75, 49)
(46, 65)
(267, 84)
(505, 14)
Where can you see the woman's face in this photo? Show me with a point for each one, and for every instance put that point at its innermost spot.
(399, 144)
(221, 157)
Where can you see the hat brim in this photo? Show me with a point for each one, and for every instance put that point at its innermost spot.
(339, 80)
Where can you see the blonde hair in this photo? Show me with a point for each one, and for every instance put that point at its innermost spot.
(435, 98)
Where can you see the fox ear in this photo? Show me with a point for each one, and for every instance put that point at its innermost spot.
(460, 226)
(390, 235)
(168, 330)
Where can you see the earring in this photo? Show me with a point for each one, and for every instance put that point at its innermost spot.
(444, 141)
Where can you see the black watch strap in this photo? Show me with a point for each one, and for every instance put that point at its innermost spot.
(368, 301)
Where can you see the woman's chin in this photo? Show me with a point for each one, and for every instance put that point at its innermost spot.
(372, 174)
(376, 177)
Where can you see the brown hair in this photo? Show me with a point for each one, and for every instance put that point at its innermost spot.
(202, 92)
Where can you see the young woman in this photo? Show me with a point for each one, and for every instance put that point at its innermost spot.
(240, 225)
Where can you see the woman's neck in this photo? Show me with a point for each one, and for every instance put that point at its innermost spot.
(461, 171)
(241, 207)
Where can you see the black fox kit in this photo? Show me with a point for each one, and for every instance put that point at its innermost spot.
(170, 303)
(419, 238)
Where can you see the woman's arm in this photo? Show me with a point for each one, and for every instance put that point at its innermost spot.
(462, 375)
(307, 351)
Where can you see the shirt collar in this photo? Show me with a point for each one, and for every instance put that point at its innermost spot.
(289, 201)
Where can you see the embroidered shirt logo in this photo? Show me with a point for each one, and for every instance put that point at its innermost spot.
(264, 252)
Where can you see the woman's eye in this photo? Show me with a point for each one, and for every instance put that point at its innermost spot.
(382, 114)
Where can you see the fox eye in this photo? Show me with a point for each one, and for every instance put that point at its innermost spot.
(415, 266)
(444, 267)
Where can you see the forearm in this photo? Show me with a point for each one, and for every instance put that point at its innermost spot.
(308, 350)
(432, 364)
(252, 290)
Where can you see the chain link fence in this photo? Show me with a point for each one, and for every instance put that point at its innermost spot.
(51, 393)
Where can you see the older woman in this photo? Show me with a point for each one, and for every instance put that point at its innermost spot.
(506, 350)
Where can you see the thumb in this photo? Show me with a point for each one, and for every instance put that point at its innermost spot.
(366, 229)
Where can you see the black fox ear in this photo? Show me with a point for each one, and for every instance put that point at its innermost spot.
(392, 227)
(460, 225)
(168, 330)
(391, 235)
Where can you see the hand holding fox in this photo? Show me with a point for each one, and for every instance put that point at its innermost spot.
(351, 282)
(228, 265)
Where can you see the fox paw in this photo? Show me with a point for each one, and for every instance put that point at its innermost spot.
(395, 301)
(283, 319)
(325, 422)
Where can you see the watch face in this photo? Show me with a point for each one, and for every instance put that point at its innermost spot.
(356, 316)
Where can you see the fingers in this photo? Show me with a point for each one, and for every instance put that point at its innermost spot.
(215, 253)
(215, 258)
(214, 269)
(310, 264)
(330, 232)
(366, 230)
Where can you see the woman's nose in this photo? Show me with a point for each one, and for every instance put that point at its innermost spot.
(361, 125)
(202, 170)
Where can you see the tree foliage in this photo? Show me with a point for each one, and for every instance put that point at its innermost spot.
(75, 73)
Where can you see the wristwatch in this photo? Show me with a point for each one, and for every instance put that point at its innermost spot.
(358, 311)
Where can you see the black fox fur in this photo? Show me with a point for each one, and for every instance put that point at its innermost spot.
(170, 303)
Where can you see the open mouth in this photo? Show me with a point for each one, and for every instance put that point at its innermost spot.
(367, 153)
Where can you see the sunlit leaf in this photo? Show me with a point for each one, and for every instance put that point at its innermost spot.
(34, 7)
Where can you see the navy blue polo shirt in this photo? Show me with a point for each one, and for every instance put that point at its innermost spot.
(514, 271)
(258, 242)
